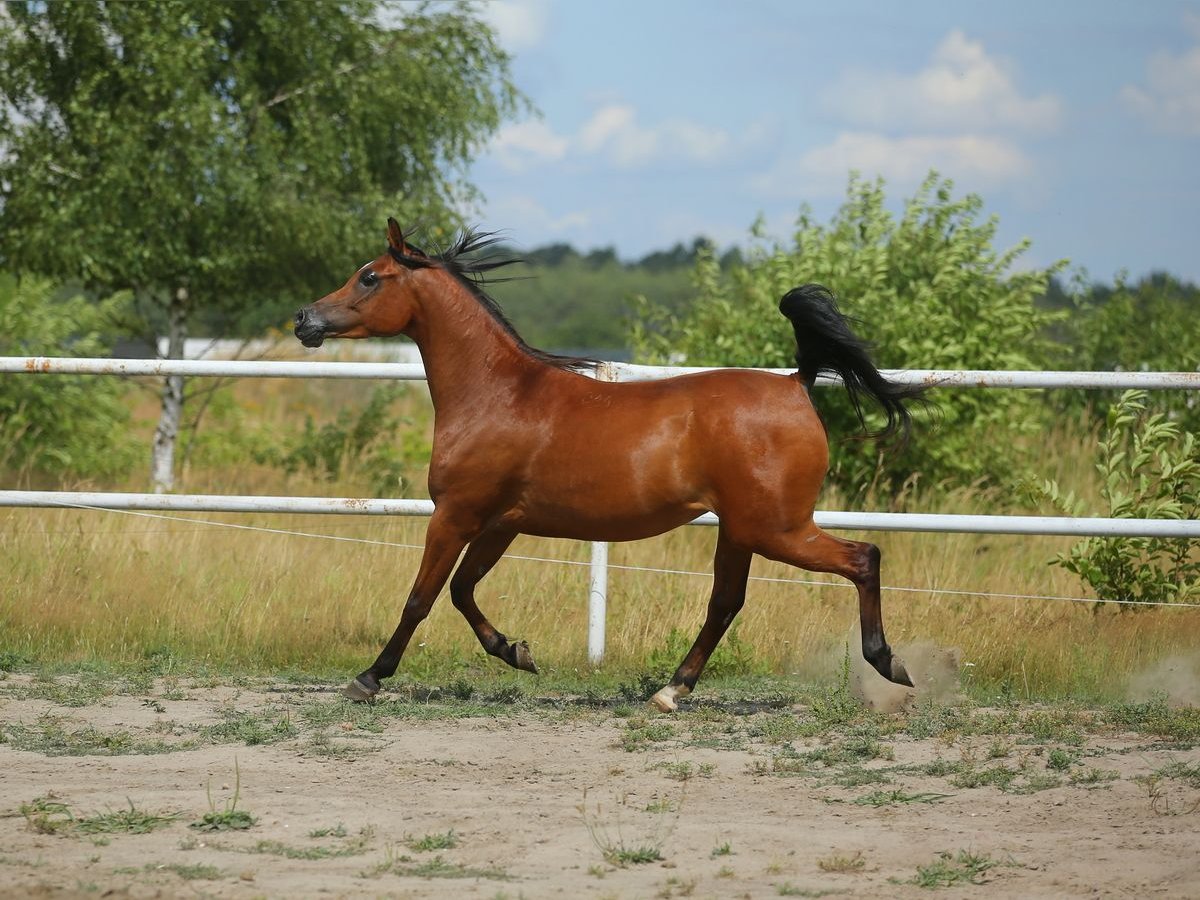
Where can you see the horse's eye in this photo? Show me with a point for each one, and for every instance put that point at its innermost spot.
(368, 279)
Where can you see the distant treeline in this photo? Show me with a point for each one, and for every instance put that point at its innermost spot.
(563, 299)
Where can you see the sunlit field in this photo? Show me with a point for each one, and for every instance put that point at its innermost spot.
(105, 587)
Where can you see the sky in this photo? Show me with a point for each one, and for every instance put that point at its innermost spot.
(1078, 123)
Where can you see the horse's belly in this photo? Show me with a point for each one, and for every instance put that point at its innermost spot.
(607, 524)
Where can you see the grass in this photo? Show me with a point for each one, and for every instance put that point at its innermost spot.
(51, 736)
(90, 586)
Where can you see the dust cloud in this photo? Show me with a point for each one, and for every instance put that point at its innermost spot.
(933, 670)
(1176, 677)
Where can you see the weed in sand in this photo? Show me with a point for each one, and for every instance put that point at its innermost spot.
(893, 798)
(249, 727)
(661, 805)
(615, 847)
(1188, 773)
(230, 818)
(725, 849)
(405, 867)
(356, 847)
(951, 869)
(195, 872)
(1062, 726)
(446, 840)
(677, 887)
(787, 889)
(47, 815)
(124, 821)
(682, 770)
(640, 734)
(856, 776)
(1091, 776)
(1160, 796)
(842, 865)
(1156, 717)
(1061, 760)
(338, 830)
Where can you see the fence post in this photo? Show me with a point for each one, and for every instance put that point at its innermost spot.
(598, 582)
(597, 601)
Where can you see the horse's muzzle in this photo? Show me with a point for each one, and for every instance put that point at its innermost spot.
(310, 327)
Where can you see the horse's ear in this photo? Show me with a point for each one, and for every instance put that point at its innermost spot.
(395, 236)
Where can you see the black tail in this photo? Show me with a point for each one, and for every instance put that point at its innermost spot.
(825, 343)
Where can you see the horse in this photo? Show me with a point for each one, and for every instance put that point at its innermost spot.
(526, 443)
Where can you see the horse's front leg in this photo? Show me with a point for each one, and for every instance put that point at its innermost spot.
(483, 553)
(444, 541)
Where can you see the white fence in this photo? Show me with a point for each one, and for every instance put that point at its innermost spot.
(871, 521)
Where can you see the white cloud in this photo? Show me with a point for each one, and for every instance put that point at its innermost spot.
(613, 134)
(519, 24)
(903, 162)
(1170, 99)
(522, 144)
(525, 215)
(962, 88)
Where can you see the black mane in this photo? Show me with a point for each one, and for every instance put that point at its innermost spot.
(469, 259)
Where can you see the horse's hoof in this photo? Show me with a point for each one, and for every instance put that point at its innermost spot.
(359, 692)
(523, 658)
(664, 700)
(899, 673)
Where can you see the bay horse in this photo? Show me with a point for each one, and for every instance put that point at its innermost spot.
(526, 444)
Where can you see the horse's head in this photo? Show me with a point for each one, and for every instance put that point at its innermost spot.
(377, 301)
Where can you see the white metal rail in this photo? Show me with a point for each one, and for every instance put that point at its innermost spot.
(609, 371)
(597, 590)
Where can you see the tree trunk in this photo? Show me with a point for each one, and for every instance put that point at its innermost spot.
(162, 462)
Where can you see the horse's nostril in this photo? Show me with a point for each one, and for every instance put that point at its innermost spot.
(301, 316)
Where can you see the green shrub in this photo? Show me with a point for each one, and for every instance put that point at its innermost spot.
(63, 426)
(1149, 469)
(373, 444)
(928, 289)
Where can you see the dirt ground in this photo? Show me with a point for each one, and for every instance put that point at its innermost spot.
(453, 795)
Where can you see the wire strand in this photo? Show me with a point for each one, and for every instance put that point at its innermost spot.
(580, 563)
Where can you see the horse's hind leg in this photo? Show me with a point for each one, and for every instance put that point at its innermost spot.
(731, 567)
(482, 554)
(812, 549)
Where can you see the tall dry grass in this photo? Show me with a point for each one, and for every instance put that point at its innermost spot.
(89, 585)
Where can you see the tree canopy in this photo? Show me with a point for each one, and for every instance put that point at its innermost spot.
(230, 158)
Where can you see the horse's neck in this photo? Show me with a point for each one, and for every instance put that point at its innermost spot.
(468, 355)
